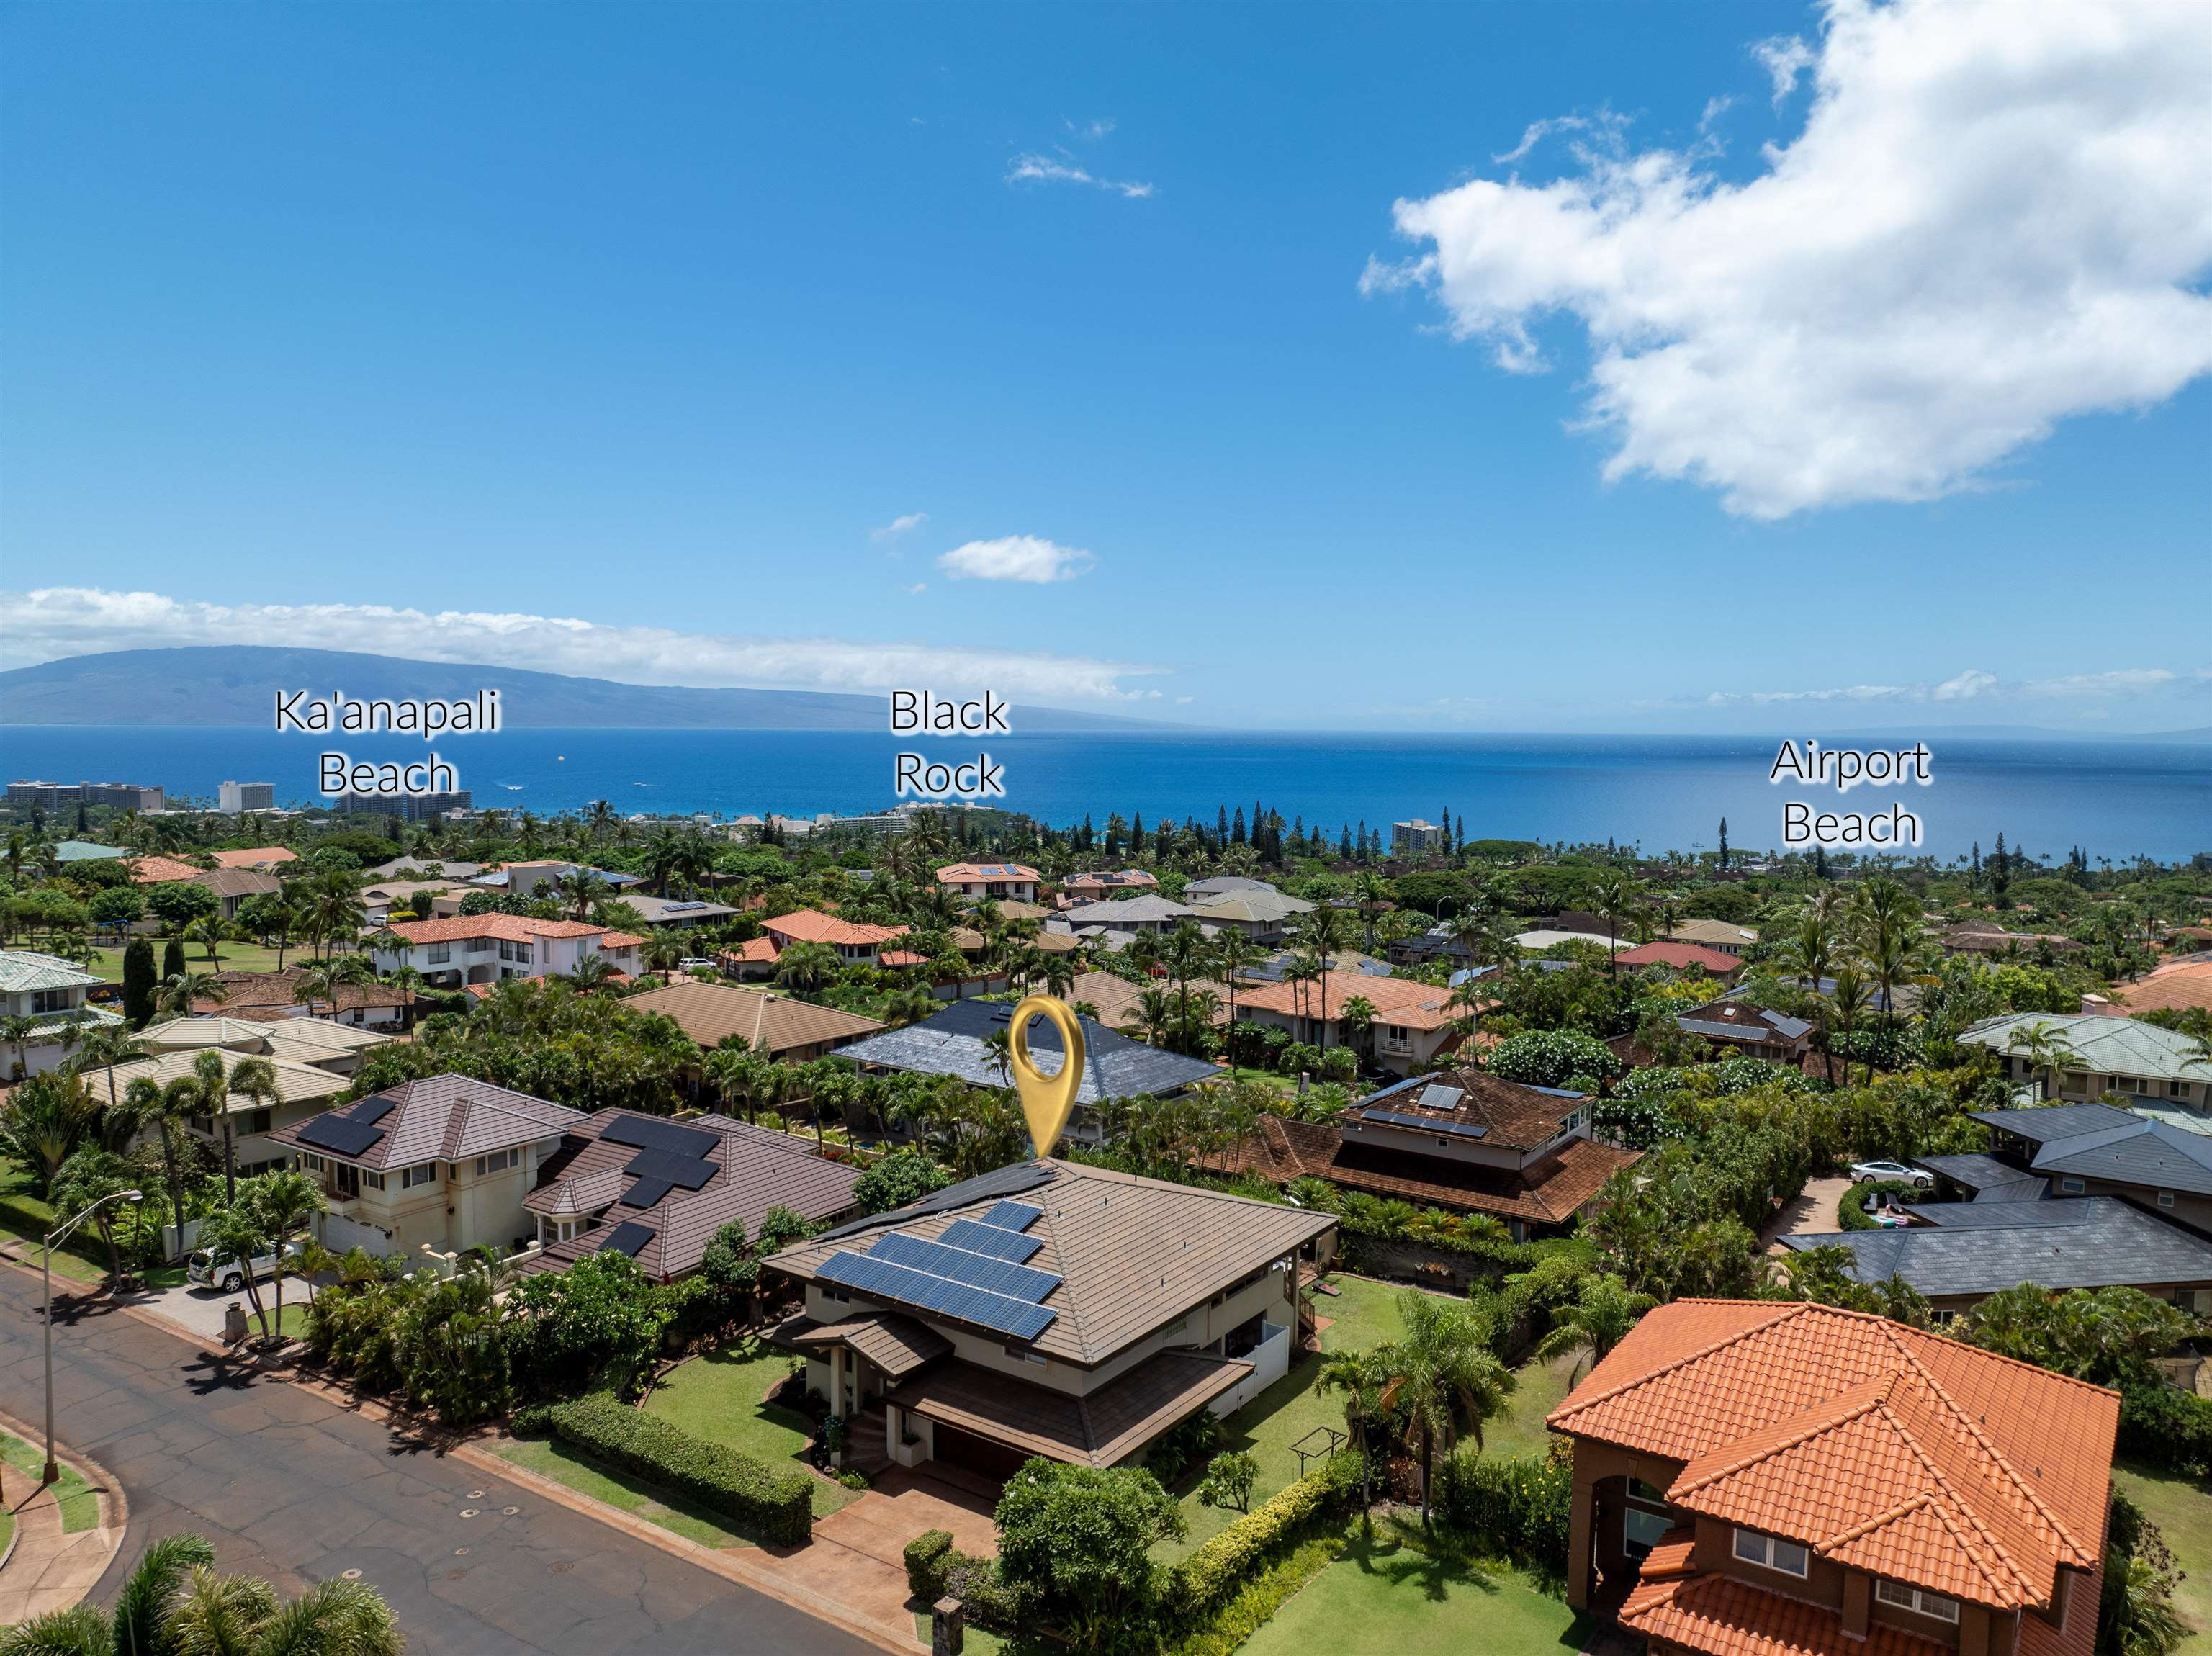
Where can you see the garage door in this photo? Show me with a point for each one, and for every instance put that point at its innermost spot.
(977, 1454)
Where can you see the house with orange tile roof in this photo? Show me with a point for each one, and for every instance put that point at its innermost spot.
(256, 857)
(1412, 1022)
(979, 880)
(463, 951)
(1680, 957)
(1770, 1479)
(155, 870)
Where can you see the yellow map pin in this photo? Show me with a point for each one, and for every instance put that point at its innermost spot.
(1047, 1101)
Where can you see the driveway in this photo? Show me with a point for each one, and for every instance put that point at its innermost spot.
(196, 1310)
(1813, 1213)
(292, 1487)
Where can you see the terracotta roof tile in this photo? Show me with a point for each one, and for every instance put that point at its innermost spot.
(810, 925)
(1724, 1617)
(511, 928)
(153, 870)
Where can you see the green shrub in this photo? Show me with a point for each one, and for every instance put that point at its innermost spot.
(2167, 1428)
(928, 1556)
(776, 1503)
(1851, 1206)
(1219, 1570)
(1519, 1505)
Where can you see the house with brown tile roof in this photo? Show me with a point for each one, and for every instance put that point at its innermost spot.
(256, 857)
(1741, 1028)
(465, 950)
(979, 880)
(659, 1190)
(779, 1025)
(1459, 1139)
(276, 995)
(1767, 1478)
(1105, 883)
(1050, 1309)
(442, 1163)
(235, 887)
(1413, 1021)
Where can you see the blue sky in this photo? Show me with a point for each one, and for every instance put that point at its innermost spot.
(658, 318)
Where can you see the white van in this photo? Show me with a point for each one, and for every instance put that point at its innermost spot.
(203, 1270)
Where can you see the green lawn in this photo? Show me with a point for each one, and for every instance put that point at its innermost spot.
(619, 1490)
(718, 1398)
(1384, 1597)
(975, 1642)
(1364, 1314)
(2183, 1514)
(80, 1504)
(25, 1216)
(229, 957)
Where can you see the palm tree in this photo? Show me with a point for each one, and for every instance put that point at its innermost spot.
(662, 952)
(250, 1078)
(1441, 1376)
(287, 1199)
(1596, 1322)
(593, 973)
(1321, 933)
(1183, 953)
(1359, 1375)
(17, 1031)
(208, 930)
(805, 967)
(43, 1121)
(325, 982)
(2047, 1049)
(1809, 950)
(580, 890)
(1616, 898)
(163, 1109)
(409, 983)
(1845, 1002)
(1153, 1013)
(179, 995)
(334, 910)
(1234, 952)
(138, 1622)
(1357, 1015)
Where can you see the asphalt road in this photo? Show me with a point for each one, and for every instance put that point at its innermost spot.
(290, 1487)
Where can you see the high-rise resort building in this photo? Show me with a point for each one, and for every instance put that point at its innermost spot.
(415, 807)
(53, 796)
(235, 798)
(1413, 838)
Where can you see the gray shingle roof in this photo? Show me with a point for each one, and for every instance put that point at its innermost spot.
(24, 969)
(1148, 909)
(952, 1044)
(1981, 1247)
(2104, 1045)
(1991, 1179)
(2053, 1121)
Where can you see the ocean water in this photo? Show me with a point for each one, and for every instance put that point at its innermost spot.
(2116, 800)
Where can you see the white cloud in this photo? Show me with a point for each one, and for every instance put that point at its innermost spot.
(1031, 167)
(918, 588)
(1994, 218)
(1784, 59)
(1016, 558)
(64, 620)
(1974, 684)
(904, 524)
(1092, 131)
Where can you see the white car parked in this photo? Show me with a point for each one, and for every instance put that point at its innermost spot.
(203, 1270)
(1868, 1173)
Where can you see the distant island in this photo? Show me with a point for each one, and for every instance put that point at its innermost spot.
(236, 685)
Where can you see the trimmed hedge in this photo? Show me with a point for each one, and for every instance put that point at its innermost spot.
(1522, 1505)
(1222, 1567)
(2167, 1428)
(776, 1503)
(1851, 1207)
(926, 1558)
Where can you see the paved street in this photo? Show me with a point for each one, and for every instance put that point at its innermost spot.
(288, 1486)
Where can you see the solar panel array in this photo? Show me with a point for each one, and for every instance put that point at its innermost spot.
(1457, 1129)
(879, 1278)
(372, 1109)
(956, 1264)
(339, 1135)
(1013, 1216)
(645, 1193)
(990, 1239)
(1439, 1097)
(643, 1132)
(687, 1171)
(627, 1238)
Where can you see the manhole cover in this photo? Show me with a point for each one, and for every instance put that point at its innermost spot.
(348, 1575)
(476, 1495)
(458, 1552)
(561, 1566)
(470, 1512)
(510, 1511)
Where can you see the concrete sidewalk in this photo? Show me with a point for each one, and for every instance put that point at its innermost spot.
(46, 1569)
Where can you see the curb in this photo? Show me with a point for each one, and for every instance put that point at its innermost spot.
(107, 1488)
(465, 1448)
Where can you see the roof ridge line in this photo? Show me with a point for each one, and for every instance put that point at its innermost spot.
(1815, 1429)
(1882, 1520)
(1965, 1506)
(2079, 1555)
(1788, 1311)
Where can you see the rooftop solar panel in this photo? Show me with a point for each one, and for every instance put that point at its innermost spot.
(990, 1239)
(976, 1270)
(1000, 1181)
(1457, 1129)
(1013, 1216)
(627, 1238)
(882, 1280)
(339, 1136)
(371, 1110)
(646, 1192)
(646, 1133)
(1439, 1097)
(685, 1170)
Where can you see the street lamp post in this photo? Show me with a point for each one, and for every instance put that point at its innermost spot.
(53, 1472)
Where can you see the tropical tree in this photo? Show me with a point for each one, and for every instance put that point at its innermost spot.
(1234, 952)
(18, 1032)
(240, 1232)
(1598, 1320)
(1843, 1006)
(805, 967)
(1615, 898)
(2046, 1049)
(105, 1048)
(1321, 933)
(1441, 1377)
(1360, 1376)
(1358, 1017)
(183, 990)
(664, 951)
(208, 930)
(43, 1120)
(139, 1625)
(93, 1174)
(250, 1078)
(288, 1199)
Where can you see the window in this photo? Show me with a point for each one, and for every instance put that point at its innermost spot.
(1640, 1531)
(2165, 1198)
(441, 953)
(372, 1181)
(498, 1161)
(257, 1121)
(1769, 1550)
(2072, 1186)
(312, 1163)
(426, 1174)
(50, 1000)
(1911, 1598)
(1643, 1491)
(2176, 1090)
